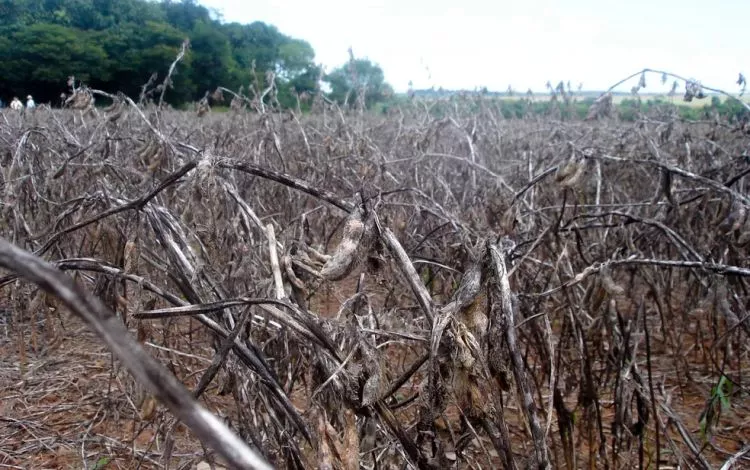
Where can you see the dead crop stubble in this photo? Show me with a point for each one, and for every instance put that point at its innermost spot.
(346, 290)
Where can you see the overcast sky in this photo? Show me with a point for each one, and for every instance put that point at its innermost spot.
(474, 43)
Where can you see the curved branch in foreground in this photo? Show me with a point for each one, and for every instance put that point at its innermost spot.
(149, 372)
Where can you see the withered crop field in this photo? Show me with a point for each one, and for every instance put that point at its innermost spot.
(420, 288)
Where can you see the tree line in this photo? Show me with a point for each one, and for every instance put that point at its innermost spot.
(117, 45)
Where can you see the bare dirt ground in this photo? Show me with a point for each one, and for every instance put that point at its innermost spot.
(64, 404)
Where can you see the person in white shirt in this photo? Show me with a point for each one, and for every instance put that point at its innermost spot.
(30, 102)
(16, 104)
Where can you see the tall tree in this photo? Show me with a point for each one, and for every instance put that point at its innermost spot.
(212, 61)
(118, 44)
(185, 14)
(347, 81)
(142, 51)
(38, 58)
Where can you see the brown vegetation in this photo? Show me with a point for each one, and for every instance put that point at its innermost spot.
(374, 291)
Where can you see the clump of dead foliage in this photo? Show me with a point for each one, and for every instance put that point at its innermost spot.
(429, 288)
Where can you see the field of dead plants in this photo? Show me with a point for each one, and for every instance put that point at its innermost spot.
(433, 287)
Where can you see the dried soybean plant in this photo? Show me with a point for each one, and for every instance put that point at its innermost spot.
(437, 287)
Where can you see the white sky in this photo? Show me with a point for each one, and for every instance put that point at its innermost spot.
(523, 43)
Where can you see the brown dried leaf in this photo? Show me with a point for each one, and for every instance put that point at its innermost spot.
(609, 284)
(345, 258)
(573, 180)
(371, 390)
(324, 450)
(350, 457)
(148, 407)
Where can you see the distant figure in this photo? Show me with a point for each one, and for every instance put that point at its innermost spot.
(16, 104)
(30, 102)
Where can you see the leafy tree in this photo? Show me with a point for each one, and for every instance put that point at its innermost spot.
(255, 43)
(185, 14)
(297, 71)
(38, 58)
(213, 63)
(10, 12)
(143, 51)
(294, 58)
(347, 80)
(118, 44)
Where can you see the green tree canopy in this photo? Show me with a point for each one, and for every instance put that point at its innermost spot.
(40, 55)
(142, 51)
(118, 44)
(346, 81)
